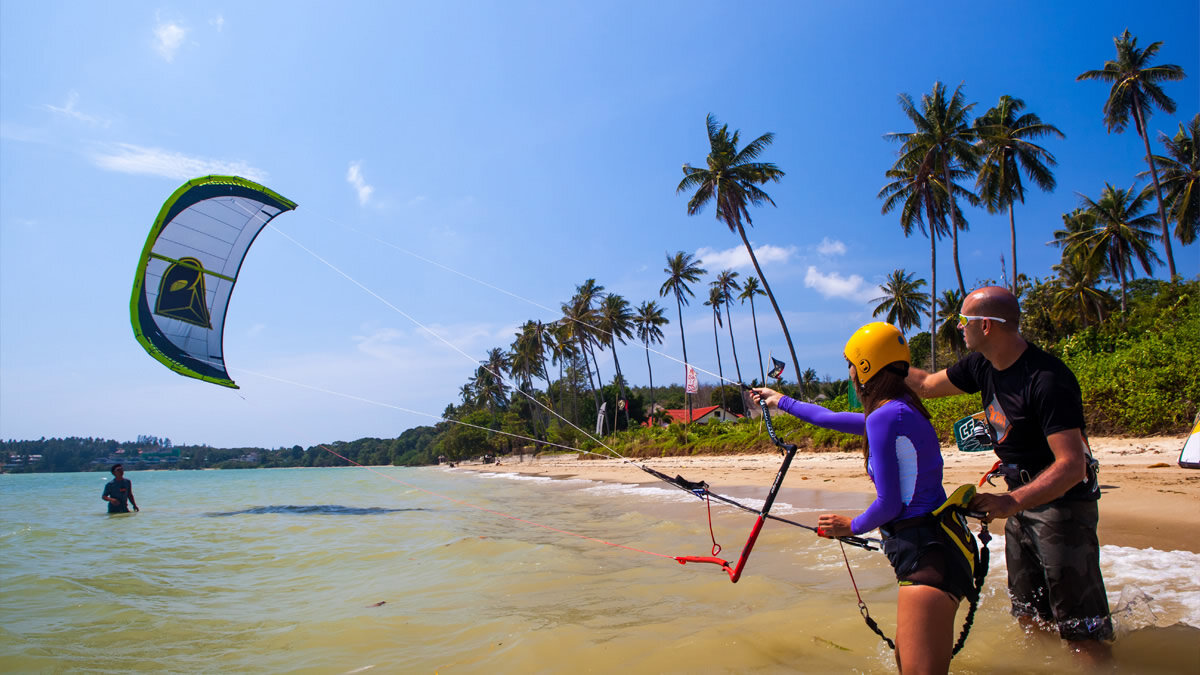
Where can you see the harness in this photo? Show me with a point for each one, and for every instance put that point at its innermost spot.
(951, 517)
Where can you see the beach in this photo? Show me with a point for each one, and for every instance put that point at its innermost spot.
(1147, 499)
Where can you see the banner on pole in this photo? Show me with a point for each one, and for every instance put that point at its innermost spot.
(692, 386)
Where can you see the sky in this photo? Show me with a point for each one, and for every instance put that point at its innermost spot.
(461, 167)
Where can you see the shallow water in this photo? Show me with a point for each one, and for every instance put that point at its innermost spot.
(284, 570)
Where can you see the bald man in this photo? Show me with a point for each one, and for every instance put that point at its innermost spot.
(1035, 413)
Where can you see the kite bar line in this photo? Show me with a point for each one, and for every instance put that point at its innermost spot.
(435, 335)
(493, 511)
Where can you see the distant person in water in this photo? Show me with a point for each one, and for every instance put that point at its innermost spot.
(119, 492)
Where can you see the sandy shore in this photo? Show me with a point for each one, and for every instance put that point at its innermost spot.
(1148, 500)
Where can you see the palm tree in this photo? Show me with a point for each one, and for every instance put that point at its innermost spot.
(489, 379)
(903, 300)
(1119, 235)
(1005, 145)
(1075, 293)
(682, 269)
(1181, 179)
(941, 144)
(526, 361)
(715, 299)
(948, 310)
(807, 380)
(1135, 91)
(588, 295)
(749, 290)
(577, 320)
(731, 181)
(921, 197)
(647, 323)
(727, 282)
(562, 352)
(616, 324)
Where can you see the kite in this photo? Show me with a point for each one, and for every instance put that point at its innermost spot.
(189, 266)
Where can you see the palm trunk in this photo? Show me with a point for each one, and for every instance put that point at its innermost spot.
(1012, 235)
(1162, 212)
(762, 381)
(767, 287)
(1123, 263)
(683, 341)
(932, 289)
(651, 371)
(720, 373)
(954, 231)
(732, 344)
(620, 387)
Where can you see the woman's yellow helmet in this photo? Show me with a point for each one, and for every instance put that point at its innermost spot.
(873, 347)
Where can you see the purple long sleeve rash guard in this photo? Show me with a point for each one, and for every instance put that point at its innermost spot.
(905, 462)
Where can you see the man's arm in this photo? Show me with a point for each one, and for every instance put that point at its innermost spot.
(131, 499)
(1068, 469)
(931, 385)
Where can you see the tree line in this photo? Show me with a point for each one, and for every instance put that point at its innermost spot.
(949, 159)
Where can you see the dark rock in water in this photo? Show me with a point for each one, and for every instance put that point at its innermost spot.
(315, 509)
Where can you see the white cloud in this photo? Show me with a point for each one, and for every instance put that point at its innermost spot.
(218, 22)
(737, 257)
(168, 37)
(69, 110)
(831, 247)
(355, 178)
(834, 285)
(128, 158)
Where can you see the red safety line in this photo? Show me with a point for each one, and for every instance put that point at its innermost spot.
(498, 513)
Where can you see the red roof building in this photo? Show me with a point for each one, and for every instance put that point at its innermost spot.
(704, 415)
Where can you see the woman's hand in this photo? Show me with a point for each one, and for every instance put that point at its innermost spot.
(831, 525)
(767, 395)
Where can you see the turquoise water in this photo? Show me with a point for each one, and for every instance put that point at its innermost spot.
(283, 570)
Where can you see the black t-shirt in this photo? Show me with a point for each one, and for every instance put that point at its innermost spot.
(1036, 396)
(118, 489)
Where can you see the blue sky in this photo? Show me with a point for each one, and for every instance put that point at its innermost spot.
(530, 145)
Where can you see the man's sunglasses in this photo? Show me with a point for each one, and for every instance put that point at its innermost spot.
(964, 319)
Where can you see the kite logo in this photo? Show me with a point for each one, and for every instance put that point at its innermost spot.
(181, 294)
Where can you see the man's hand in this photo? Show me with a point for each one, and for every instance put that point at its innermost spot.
(995, 506)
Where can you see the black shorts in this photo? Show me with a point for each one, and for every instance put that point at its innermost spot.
(1054, 576)
(922, 554)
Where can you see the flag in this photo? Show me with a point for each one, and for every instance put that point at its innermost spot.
(692, 387)
(621, 404)
(776, 368)
(600, 418)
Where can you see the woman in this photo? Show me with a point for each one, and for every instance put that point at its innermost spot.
(903, 459)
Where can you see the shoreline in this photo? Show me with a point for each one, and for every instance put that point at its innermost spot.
(1147, 499)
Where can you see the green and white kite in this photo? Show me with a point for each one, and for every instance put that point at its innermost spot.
(189, 266)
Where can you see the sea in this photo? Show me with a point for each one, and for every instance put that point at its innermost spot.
(441, 570)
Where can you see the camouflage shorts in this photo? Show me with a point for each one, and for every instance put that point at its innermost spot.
(1053, 560)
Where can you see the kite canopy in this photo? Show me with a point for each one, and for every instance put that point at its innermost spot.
(189, 266)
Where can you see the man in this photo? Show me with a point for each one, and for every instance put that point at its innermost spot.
(1035, 412)
(119, 492)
